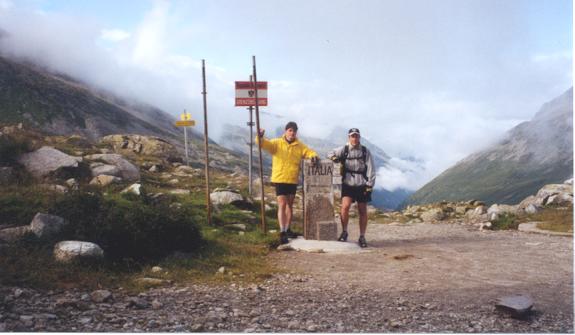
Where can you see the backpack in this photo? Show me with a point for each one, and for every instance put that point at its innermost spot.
(363, 157)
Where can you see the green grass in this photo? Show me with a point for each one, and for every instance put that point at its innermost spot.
(505, 222)
(555, 219)
(30, 262)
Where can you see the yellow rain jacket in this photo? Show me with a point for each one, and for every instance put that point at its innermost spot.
(286, 158)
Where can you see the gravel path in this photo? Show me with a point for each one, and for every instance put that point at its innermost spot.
(416, 278)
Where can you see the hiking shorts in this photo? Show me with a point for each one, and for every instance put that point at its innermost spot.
(356, 193)
(285, 189)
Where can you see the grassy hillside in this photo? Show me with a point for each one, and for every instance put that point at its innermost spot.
(495, 181)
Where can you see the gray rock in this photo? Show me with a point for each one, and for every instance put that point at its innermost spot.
(105, 169)
(434, 214)
(46, 225)
(138, 303)
(532, 209)
(134, 189)
(67, 251)
(100, 296)
(46, 160)
(128, 171)
(105, 180)
(15, 233)
(225, 197)
(516, 305)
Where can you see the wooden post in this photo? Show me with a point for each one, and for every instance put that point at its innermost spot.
(208, 202)
(263, 206)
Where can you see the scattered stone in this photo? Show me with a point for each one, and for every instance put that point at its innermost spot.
(46, 225)
(105, 180)
(138, 303)
(225, 197)
(100, 296)
(151, 282)
(127, 170)
(48, 160)
(14, 234)
(67, 251)
(517, 305)
(134, 189)
(157, 269)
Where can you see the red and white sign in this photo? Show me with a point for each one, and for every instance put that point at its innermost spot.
(246, 94)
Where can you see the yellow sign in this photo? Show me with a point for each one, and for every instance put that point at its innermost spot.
(186, 116)
(190, 123)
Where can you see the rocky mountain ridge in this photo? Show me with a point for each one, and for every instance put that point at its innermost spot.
(532, 154)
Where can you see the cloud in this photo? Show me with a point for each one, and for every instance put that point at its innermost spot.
(433, 80)
(114, 35)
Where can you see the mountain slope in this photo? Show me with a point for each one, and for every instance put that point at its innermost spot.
(60, 105)
(531, 155)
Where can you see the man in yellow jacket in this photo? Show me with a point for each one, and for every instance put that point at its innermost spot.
(287, 153)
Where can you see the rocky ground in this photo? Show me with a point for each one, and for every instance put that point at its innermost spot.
(414, 278)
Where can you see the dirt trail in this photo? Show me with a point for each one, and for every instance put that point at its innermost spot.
(415, 278)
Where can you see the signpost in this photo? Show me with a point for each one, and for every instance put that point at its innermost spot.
(250, 94)
(208, 202)
(186, 121)
(246, 93)
(257, 103)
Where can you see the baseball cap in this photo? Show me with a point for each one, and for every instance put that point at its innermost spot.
(353, 131)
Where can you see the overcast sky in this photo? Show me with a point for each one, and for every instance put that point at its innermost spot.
(430, 79)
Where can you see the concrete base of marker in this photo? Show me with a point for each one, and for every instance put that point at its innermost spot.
(330, 247)
(326, 230)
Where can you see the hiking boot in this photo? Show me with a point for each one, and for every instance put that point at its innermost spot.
(291, 234)
(284, 238)
(343, 236)
(362, 242)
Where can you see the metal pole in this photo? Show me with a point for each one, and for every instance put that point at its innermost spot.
(186, 145)
(251, 124)
(263, 206)
(208, 203)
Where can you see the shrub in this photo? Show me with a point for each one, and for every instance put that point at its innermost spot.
(505, 222)
(125, 227)
(11, 148)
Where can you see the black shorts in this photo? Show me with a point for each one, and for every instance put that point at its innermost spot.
(285, 189)
(356, 193)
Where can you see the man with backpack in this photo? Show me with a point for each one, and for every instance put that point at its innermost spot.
(358, 179)
(287, 153)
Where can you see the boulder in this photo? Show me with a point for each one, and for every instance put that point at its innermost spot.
(560, 199)
(497, 210)
(142, 145)
(224, 197)
(67, 251)
(46, 225)
(7, 175)
(568, 182)
(517, 305)
(128, 171)
(531, 200)
(532, 209)
(105, 180)
(552, 189)
(134, 188)
(477, 214)
(47, 160)
(14, 233)
(106, 169)
(434, 214)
